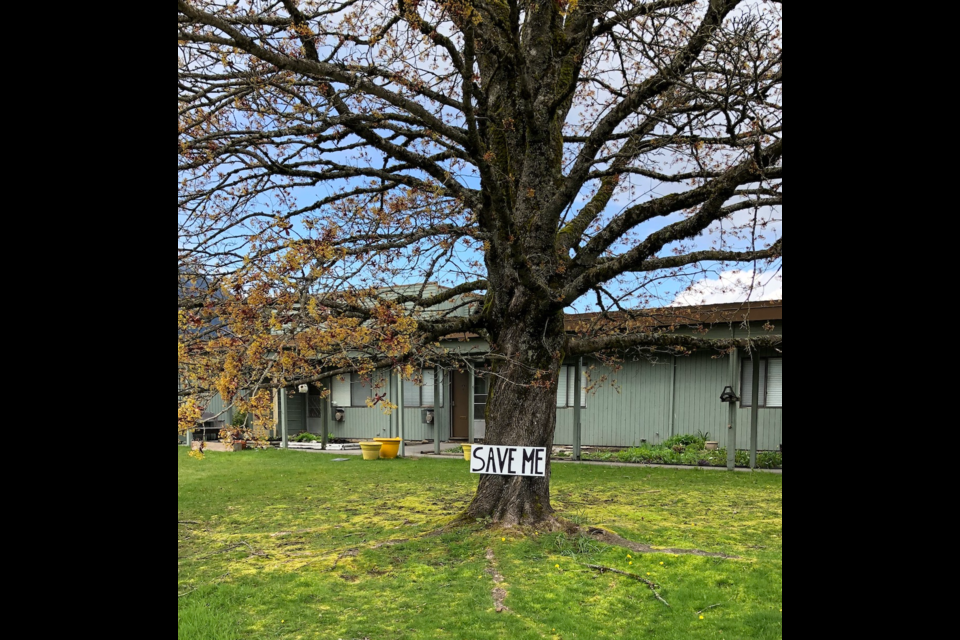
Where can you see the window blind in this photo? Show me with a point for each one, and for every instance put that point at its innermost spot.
(341, 392)
(775, 384)
(563, 389)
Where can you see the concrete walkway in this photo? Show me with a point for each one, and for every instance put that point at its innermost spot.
(413, 450)
(426, 451)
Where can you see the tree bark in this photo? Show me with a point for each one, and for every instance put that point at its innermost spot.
(522, 408)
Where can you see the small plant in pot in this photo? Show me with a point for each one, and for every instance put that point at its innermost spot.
(234, 439)
(708, 443)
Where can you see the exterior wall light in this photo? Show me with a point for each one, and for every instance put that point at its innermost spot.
(729, 395)
(340, 415)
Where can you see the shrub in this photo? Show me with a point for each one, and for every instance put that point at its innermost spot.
(686, 442)
(306, 438)
(770, 460)
(690, 456)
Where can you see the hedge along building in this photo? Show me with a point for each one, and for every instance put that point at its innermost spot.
(636, 400)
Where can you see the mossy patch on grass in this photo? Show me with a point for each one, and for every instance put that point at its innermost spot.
(293, 546)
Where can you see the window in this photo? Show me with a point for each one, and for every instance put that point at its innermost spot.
(481, 393)
(316, 407)
(364, 389)
(340, 391)
(567, 389)
(353, 391)
(419, 392)
(771, 383)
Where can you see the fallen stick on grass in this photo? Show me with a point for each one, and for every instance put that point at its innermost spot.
(187, 522)
(652, 585)
(700, 613)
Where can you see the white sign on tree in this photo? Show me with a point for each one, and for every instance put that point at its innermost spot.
(529, 462)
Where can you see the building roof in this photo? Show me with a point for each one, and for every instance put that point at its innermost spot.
(668, 318)
(765, 311)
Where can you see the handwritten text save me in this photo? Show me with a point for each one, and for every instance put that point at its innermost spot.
(509, 461)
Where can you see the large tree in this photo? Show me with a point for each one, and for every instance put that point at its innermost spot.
(532, 154)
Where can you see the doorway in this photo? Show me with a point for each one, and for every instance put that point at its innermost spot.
(461, 406)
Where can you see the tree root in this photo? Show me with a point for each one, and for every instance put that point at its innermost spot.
(608, 537)
(653, 586)
(217, 581)
(499, 593)
(549, 524)
(253, 552)
(349, 553)
(558, 525)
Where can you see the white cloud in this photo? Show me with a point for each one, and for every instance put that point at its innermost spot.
(733, 286)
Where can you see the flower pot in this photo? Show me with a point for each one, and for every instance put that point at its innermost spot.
(713, 446)
(467, 450)
(371, 450)
(391, 447)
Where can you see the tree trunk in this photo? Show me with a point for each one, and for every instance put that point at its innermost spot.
(522, 411)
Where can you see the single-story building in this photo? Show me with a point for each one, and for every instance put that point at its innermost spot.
(647, 400)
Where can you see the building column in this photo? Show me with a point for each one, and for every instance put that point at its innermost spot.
(578, 412)
(400, 421)
(673, 399)
(472, 408)
(437, 409)
(284, 433)
(327, 416)
(392, 395)
(734, 407)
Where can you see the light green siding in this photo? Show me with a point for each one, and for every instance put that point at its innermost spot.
(633, 405)
(700, 380)
(361, 423)
(630, 406)
(216, 407)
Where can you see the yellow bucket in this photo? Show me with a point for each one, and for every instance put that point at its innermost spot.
(391, 447)
(467, 450)
(371, 450)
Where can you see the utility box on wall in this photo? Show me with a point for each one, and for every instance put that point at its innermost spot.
(429, 416)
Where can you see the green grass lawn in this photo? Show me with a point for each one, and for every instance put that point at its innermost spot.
(291, 545)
